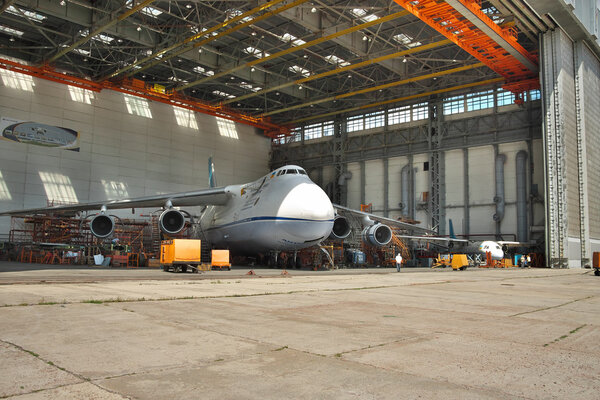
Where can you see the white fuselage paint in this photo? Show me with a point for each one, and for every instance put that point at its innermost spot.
(494, 248)
(280, 211)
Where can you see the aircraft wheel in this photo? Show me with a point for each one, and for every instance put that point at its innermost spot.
(597, 272)
(184, 268)
(463, 267)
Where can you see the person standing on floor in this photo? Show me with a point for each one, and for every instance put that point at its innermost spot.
(398, 262)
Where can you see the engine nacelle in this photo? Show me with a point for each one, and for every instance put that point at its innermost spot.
(102, 226)
(171, 221)
(341, 228)
(377, 235)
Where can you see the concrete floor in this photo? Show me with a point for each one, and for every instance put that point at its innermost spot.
(481, 334)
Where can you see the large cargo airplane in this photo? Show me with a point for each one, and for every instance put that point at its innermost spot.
(282, 211)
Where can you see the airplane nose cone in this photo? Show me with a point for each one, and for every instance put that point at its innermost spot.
(307, 201)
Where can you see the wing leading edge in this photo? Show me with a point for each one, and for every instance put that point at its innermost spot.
(212, 196)
(403, 225)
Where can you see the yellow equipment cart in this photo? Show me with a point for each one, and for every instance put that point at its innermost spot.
(180, 254)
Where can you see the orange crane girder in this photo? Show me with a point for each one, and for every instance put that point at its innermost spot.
(448, 21)
(141, 89)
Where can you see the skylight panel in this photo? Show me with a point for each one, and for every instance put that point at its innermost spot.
(11, 31)
(223, 94)
(248, 86)
(289, 38)
(176, 79)
(149, 11)
(234, 12)
(29, 14)
(104, 38)
(83, 52)
(361, 13)
(203, 71)
(333, 59)
(258, 53)
(299, 70)
(406, 40)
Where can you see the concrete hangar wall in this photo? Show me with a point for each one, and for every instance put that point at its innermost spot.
(129, 147)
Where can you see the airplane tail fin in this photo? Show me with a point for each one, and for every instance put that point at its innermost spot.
(451, 228)
(212, 179)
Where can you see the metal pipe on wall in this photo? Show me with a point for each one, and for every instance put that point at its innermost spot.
(499, 198)
(404, 187)
(522, 196)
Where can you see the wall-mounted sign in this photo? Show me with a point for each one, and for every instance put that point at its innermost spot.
(39, 134)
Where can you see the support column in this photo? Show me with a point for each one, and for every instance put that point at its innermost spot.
(363, 182)
(435, 135)
(386, 187)
(466, 200)
(554, 87)
(584, 215)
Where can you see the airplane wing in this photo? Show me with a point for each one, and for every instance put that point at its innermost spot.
(435, 239)
(388, 221)
(212, 196)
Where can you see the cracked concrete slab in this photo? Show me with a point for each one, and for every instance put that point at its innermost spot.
(474, 334)
(24, 372)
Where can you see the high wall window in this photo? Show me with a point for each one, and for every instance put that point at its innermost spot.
(454, 105)
(535, 95)
(399, 115)
(480, 101)
(505, 98)
(115, 189)
(356, 124)
(374, 120)
(420, 111)
(313, 131)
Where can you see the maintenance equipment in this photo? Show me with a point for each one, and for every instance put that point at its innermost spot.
(180, 254)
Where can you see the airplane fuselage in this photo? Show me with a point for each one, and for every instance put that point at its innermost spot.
(282, 211)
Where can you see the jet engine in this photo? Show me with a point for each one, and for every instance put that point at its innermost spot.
(171, 221)
(377, 235)
(102, 226)
(341, 228)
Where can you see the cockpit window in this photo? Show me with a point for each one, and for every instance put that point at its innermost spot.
(281, 172)
(302, 172)
(291, 171)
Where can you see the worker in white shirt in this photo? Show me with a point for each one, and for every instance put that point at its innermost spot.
(398, 262)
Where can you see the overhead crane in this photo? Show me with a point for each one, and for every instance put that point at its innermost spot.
(465, 24)
(140, 88)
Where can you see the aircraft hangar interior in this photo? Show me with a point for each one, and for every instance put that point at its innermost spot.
(299, 199)
(474, 120)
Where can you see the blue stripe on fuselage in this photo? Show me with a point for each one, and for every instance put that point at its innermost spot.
(268, 219)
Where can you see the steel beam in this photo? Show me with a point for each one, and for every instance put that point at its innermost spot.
(294, 49)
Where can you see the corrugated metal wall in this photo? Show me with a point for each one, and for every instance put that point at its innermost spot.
(591, 96)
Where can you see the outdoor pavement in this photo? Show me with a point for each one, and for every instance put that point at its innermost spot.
(74, 333)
